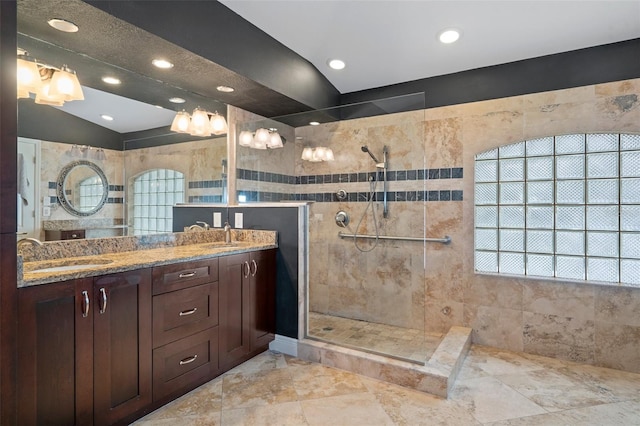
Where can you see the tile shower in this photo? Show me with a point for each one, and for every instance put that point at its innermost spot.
(432, 287)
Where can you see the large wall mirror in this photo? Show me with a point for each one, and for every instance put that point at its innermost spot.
(138, 141)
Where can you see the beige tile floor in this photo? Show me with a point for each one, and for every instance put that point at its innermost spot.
(405, 343)
(494, 388)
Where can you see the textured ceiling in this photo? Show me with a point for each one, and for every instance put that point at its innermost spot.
(107, 45)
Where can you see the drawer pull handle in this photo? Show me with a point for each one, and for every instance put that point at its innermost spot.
(189, 312)
(247, 269)
(85, 304)
(255, 268)
(103, 300)
(187, 274)
(188, 360)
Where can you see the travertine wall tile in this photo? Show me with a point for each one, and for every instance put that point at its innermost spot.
(617, 305)
(559, 337)
(571, 299)
(617, 346)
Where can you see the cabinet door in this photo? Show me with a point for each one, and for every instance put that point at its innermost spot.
(235, 332)
(55, 368)
(122, 345)
(263, 297)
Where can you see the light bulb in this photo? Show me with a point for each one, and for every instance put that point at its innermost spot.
(200, 125)
(307, 153)
(180, 122)
(218, 124)
(275, 141)
(245, 138)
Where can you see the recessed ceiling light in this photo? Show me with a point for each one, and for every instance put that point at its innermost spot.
(449, 35)
(336, 64)
(177, 100)
(225, 89)
(314, 123)
(162, 63)
(63, 25)
(111, 80)
(107, 117)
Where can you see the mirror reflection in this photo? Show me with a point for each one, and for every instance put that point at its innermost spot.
(82, 188)
(120, 118)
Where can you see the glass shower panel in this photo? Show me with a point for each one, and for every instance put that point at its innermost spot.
(369, 294)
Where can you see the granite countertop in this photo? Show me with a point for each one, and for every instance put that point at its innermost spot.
(120, 261)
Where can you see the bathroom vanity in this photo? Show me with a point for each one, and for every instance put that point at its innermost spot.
(121, 338)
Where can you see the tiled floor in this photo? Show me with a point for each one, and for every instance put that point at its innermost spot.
(494, 388)
(406, 343)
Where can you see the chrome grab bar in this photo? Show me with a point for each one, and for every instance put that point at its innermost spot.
(445, 240)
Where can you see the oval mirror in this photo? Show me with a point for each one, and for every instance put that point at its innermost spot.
(82, 188)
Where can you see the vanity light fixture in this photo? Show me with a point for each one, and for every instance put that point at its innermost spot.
(51, 86)
(225, 89)
(162, 63)
(86, 151)
(449, 35)
(316, 155)
(262, 139)
(200, 123)
(63, 25)
(111, 80)
(336, 64)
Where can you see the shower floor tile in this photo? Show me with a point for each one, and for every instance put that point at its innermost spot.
(405, 343)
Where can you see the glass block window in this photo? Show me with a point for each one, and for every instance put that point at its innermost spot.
(560, 207)
(90, 193)
(155, 192)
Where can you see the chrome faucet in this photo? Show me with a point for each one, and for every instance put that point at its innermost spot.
(34, 241)
(227, 233)
(199, 225)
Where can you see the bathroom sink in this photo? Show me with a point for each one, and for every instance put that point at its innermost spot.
(66, 265)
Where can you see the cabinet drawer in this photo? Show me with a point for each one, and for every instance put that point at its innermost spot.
(185, 364)
(182, 275)
(184, 312)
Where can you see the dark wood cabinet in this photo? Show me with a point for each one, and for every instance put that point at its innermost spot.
(247, 305)
(235, 334)
(108, 349)
(85, 350)
(55, 353)
(185, 326)
(68, 234)
(122, 345)
(263, 298)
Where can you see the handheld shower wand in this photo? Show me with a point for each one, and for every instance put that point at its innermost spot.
(365, 148)
(381, 165)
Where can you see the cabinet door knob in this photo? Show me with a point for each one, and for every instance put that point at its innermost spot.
(188, 312)
(188, 360)
(85, 304)
(187, 274)
(247, 269)
(255, 268)
(103, 300)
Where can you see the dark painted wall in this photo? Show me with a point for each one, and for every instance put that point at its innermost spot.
(281, 219)
(600, 64)
(50, 124)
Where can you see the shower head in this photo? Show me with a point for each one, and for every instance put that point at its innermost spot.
(364, 148)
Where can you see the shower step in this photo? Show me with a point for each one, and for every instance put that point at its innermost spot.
(435, 377)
